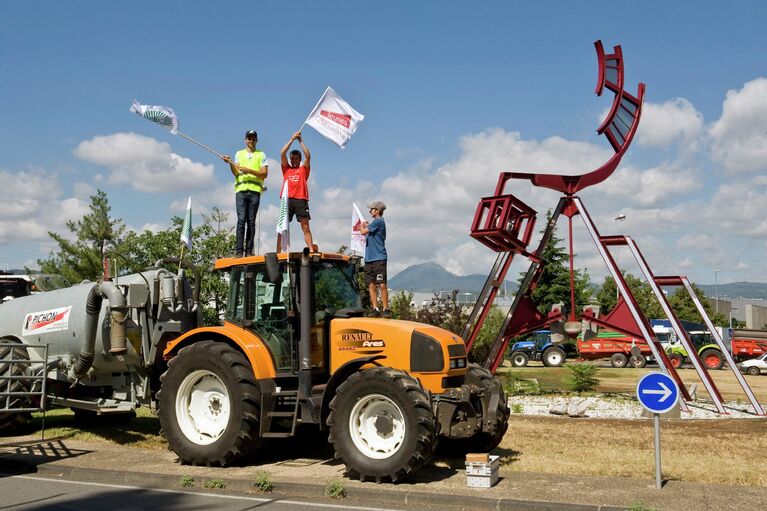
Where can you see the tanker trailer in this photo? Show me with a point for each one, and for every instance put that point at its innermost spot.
(105, 342)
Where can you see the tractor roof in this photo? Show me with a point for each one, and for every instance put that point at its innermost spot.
(230, 262)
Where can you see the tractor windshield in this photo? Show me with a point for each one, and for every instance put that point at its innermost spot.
(335, 286)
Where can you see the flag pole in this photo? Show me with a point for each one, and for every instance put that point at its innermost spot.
(200, 144)
(181, 257)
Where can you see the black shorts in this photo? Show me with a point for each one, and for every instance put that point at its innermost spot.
(299, 208)
(375, 272)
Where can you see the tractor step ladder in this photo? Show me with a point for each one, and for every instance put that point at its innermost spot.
(268, 417)
(629, 302)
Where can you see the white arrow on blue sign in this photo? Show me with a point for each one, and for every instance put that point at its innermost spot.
(657, 392)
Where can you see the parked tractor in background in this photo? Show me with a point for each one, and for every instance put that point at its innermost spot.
(293, 349)
(540, 348)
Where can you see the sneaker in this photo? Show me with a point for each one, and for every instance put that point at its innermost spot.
(373, 313)
(238, 254)
(386, 313)
(248, 254)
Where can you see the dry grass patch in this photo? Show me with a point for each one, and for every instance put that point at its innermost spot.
(708, 451)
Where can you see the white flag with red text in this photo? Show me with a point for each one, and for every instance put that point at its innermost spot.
(358, 239)
(334, 118)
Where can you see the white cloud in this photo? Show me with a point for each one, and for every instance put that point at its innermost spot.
(739, 136)
(145, 164)
(674, 121)
(651, 187)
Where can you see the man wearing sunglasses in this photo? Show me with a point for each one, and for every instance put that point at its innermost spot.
(375, 259)
(249, 169)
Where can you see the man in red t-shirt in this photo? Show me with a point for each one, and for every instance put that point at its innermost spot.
(296, 174)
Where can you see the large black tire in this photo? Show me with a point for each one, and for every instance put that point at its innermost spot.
(486, 442)
(619, 360)
(519, 359)
(209, 405)
(382, 425)
(12, 423)
(553, 357)
(712, 359)
(676, 360)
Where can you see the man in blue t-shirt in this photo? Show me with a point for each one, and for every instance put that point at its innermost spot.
(375, 259)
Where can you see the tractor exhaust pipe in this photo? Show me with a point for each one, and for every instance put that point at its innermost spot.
(304, 344)
(118, 313)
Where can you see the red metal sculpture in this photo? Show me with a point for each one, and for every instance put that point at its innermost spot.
(505, 224)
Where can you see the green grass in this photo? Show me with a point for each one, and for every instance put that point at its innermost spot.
(335, 490)
(140, 431)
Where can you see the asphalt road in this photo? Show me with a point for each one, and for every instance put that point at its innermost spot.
(33, 493)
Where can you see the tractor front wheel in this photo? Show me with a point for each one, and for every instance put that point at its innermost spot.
(712, 359)
(519, 359)
(480, 377)
(382, 424)
(676, 360)
(209, 405)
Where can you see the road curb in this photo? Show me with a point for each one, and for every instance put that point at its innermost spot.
(288, 489)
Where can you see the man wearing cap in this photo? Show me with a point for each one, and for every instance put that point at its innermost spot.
(375, 259)
(249, 169)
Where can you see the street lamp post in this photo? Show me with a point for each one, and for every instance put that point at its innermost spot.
(618, 218)
(716, 290)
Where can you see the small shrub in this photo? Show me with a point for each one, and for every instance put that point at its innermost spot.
(515, 386)
(263, 482)
(335, 490)
(517, 408)
(217, 484)
(582, 377)
(187, 481)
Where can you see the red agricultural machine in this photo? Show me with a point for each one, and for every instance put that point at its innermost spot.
(505, 224)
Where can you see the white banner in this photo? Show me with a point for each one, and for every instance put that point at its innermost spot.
(358, 239)
(334, 118)
(43, 322)
(283, 225)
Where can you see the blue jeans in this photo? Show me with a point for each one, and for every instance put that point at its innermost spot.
(247, 208)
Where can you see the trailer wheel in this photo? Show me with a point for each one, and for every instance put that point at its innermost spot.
(484, 441)
(638, 361)
(676, 360)
(209, 405)
(753, 371)
(382, 424)
(519, 359)
(712, 359)
(13, 422)
(619, 360)
(553, 357)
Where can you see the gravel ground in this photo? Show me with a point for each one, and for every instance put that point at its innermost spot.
(619, 407)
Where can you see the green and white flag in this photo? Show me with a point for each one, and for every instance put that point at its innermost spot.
(283, 225)
(186, 230)
(162, 115)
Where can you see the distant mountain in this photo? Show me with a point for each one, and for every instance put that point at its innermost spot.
(428, 277)
(737, 290)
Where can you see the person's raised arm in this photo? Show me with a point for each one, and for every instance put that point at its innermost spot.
(307, 154)
(284, 151)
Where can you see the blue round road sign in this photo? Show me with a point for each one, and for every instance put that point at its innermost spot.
(657, 392)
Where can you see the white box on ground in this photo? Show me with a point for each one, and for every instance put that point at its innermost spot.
(482, 475)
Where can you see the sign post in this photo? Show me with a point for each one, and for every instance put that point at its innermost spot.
(658, 393)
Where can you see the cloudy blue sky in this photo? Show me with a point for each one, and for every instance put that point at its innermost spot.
(453, 93)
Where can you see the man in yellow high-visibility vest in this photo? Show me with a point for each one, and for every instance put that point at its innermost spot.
(249, 169)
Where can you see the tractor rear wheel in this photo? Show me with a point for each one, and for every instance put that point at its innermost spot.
(753, 371)
(712, 359)
(382, 424)
(14, 422)
(519, 359)
(485, 442)
(676, 360)
(209, 405)
(553, 357)
(619, 360)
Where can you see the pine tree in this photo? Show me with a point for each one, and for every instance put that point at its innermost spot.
(94, 236)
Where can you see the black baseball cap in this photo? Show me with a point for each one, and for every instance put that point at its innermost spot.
(251, 133)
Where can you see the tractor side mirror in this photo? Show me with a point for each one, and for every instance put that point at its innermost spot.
(273, 273)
